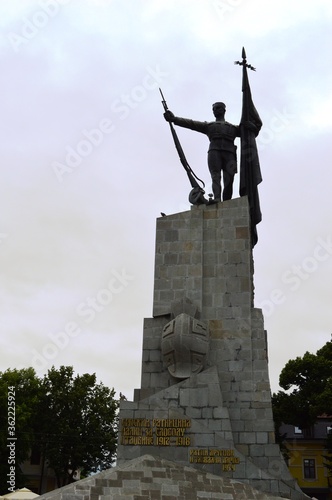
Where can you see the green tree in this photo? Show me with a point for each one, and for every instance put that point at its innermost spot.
(19, 394)
(308, 382)
(71, 420)
(78, 429)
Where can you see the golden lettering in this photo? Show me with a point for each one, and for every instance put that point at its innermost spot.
(182, 441)
(156, 432)
(132, 431)
(214, 456)
(228, 467)
(169, 431)
(171, 422)
(197, 451)
(230, 460)
(162, 441)
(135, 422)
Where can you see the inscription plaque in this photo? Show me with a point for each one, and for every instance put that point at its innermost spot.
(155, 432)
(225, 457)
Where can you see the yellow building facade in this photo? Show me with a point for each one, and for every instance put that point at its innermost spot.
(306, 450)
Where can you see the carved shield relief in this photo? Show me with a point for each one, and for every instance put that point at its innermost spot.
(184, 346)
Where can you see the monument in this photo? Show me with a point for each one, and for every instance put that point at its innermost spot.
(205, 398)
(201, 424)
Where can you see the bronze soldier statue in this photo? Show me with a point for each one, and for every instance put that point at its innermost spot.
(222, 150)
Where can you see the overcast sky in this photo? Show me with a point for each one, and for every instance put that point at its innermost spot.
(88, 164)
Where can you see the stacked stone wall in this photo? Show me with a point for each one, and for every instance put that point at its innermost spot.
(204, 264)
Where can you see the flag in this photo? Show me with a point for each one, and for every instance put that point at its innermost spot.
(250, 172)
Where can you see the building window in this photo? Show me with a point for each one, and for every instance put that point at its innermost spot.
(328, 430)
(297, 430)
(309, 468)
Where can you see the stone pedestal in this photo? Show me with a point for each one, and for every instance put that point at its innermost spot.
(207, 408)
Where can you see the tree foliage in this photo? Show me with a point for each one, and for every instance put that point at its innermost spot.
(80, 430)
(71, 419)
(308, 382)
(26, 388)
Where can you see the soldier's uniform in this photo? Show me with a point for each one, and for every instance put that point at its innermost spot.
(221, 153)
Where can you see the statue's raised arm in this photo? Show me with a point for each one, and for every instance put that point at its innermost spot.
(222, 150)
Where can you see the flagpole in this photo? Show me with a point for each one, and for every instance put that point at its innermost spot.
(250, 174)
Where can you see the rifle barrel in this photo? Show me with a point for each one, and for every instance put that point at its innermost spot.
(163, 100)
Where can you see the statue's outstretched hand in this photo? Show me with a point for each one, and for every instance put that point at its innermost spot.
(169, 116)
